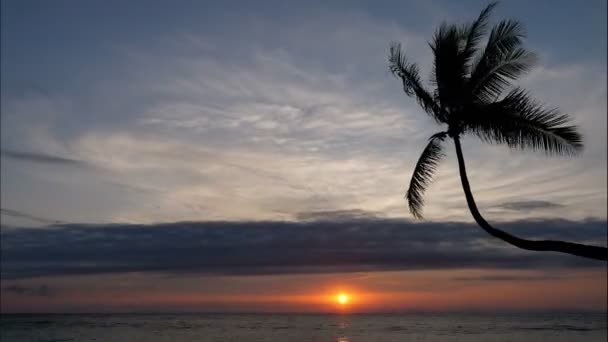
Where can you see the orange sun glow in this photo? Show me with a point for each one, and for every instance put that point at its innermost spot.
(342, 298)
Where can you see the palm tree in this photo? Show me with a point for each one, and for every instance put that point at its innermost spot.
(472, 72)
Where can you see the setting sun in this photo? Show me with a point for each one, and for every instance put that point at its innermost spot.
(342, 298)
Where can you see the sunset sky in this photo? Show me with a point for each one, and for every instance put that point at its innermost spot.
(253, 156)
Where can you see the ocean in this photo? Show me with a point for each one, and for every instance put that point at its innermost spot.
(303, 327)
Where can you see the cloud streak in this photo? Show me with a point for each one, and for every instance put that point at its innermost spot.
(273, 247)
(19, 214)
(42, 158)
(37, 291)
(528, 205)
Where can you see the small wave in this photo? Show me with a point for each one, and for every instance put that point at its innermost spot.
(557, 327)
(281, 328)
(249, 327)
(396, 328)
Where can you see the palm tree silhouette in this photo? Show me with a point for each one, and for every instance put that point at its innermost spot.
(470, 79)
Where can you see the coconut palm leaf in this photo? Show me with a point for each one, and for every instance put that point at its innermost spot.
(521, 122)
(450, 71)
(423, 173)
(507, 67)
(502, 60)
(476, 31)
(412, 85)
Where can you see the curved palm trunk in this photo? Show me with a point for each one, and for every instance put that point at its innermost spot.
(592, 252)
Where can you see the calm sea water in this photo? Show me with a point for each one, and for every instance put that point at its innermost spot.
(292, 327)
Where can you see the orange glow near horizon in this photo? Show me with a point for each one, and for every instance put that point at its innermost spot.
(413, 291)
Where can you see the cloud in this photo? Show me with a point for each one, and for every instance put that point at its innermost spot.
(277, 120)
(37, 291)
(507, 278)
(529, 205)
(274, 247)
(335, 215)
(19, 214)
(42, 158)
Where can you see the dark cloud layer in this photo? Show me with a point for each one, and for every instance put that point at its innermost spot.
(364, 244)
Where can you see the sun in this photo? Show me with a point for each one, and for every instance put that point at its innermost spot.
(342, 298)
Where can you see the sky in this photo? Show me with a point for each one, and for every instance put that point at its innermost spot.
(253, 156)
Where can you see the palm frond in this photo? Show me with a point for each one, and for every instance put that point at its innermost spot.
(502, 60)
(450, 70)
(507, 67)
(476, 30)
(412, 85)
(523, 123)
(423, 173)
